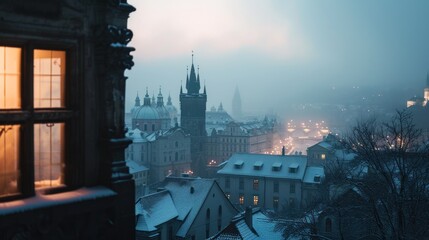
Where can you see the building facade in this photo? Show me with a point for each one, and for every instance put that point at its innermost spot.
(193, 119)
(233, 137)
(62, 169)
(268, 181)
(164, 152)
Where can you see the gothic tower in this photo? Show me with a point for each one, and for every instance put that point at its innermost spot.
(193, 118)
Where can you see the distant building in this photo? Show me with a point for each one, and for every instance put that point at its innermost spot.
(184, 208)
(330, 150)
(269, 181)
(420, 101)
(236, 105)
(419, 107)
(140, 175)
(193, 118)
(250, 224)
(164, 152)
(228, 138)
(151, 117)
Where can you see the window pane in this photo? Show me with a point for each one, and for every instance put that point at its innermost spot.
(49, 78)
(10, 77)
(9, 157)
(49, 154)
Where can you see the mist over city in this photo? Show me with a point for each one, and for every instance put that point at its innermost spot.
(284, 54)
(214, 119)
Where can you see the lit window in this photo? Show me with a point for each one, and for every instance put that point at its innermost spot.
(49, 78)
(9, 158)
(323, 156)
(49, 154)
(255, 184)
(10, 77)
(241, 199)
(33, 135)
(255, 200)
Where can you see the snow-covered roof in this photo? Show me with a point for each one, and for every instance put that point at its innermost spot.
(271, 165)
(314, 174)
(153, 210)
(262, 225)
(188, 195)
(325, 145)
(135, 167)
(136, 135)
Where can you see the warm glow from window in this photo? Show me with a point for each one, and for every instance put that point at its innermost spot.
(241, 199)
(255, 200)
(49, 154)
(10, 77)
(323, 156)
(9, 157)
(49, 78)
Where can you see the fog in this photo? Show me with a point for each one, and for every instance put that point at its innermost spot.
(284, 56)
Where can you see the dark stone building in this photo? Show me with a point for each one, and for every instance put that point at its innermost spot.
(62, 87)
(193, 119)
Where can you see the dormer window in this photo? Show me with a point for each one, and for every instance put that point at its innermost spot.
(258, 165)
(293, 168)
(277, 166)
(316, 178)
(238, 164)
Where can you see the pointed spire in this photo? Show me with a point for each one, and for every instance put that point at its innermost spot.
(198, 79)
(169, 100)
(160, 101)
(153, 99)
(137, 103)
(146, 101)
(187, 78)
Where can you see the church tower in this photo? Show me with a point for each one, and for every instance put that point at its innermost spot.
(193, 118)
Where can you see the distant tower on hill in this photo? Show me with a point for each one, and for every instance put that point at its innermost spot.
(193, 118)
(236, 104)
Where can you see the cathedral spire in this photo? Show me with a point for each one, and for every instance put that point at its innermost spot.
(160, 101)
(137, 104)
(146, 101)
(169, 100)
(193, 85)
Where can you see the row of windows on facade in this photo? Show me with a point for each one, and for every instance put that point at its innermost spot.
(48, 83)
(256, 185)
(176, 144)
(256, 200)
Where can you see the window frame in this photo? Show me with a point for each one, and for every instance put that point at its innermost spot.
(27, 115)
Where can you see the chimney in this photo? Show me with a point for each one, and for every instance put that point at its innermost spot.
(248, 217)
(283, 150)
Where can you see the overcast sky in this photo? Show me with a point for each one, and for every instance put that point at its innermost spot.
(278, 52)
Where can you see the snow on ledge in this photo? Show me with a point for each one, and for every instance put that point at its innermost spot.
(43, 201)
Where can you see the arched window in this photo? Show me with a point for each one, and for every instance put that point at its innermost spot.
(219, 218)
(328, 225)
